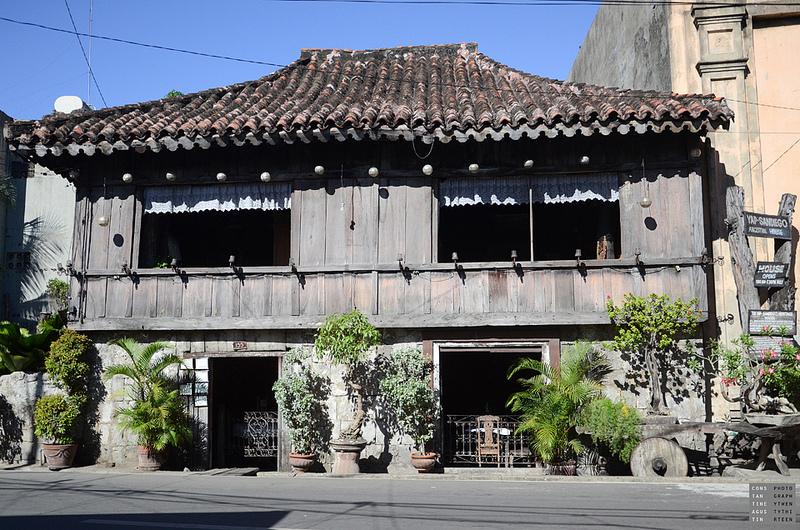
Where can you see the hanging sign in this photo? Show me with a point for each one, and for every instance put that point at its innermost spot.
(763, 225)
(771, 274)
(771, 322)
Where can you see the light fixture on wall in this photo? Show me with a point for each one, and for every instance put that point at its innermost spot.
(319, 170)
(265, 176)
(578, 256)
(474, 168)
(646, 201)
(232, 262)
(170, 176)
(222, 177)
(174, 266)
(514, 257)
(373, 172)
(454, 258)
(528, 164)
(584, 160)
(127, 178)
(427, 169)
(400, 259)
(126, 270)
(103, 220)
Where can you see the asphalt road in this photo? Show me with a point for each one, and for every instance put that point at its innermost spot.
(92, 501)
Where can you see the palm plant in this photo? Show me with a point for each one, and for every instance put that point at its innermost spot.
(147, 368)
(551, 400)
(159, 420)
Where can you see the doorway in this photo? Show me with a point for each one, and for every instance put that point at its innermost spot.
(244, 413)
(474, 387)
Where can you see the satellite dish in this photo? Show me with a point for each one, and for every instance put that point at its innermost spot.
(67, 104)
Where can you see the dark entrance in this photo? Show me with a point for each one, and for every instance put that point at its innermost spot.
(477, 427)
(244, 420)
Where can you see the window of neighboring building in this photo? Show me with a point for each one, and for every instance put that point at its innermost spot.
(202, 226)
(483, 219)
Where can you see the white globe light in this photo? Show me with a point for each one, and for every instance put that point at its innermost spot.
(373, 172)
(265, 176)
(319, 170)
(103, 220)
(584, 160)
(528, 164)
(473, 168)
(222, 177)
(645, 202)
(427, 169)
(170, 176)
(127, 178)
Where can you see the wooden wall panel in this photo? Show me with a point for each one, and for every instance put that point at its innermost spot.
(225, 297)
(364, 232)
(338, 293)
(145, 297)
(392, 220)
(563, 291)
(697, 241)
(283, 295)
(96, 298)
(417, 295)
(365, 291)
(418, 233)
(312, 214)
(254, 297)
(475, 292)
(197, 297)
(442, 289)
(498, 291)
(98, 235)
(312, 295)
(391, 294)
(589, 291)
(121, 227)
(338, 210)
(119, 300)
(169, 297)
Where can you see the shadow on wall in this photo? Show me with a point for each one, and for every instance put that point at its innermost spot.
(41, 240)
(10, 433)
(89, 452)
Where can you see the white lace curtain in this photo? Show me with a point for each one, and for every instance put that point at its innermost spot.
(218, 198)
(553, 189)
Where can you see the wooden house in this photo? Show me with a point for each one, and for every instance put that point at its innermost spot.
(466, 207)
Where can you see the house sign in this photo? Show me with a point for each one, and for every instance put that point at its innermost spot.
(771, 274)
(770, 322)
(239, 345)
(763, 225)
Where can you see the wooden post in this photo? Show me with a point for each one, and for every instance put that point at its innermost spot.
(783, 298)
(741, 255)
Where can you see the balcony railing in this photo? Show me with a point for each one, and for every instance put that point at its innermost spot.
(463, 435)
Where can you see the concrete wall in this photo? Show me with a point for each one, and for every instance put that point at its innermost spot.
(634, 54)
(40, 223)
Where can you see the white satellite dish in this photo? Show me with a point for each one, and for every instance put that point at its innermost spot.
(67, 104)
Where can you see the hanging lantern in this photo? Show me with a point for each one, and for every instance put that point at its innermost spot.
(373, 172)
(127, 178)
(265, 176)
(427, 169)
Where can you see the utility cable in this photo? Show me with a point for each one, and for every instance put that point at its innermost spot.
(83, 51)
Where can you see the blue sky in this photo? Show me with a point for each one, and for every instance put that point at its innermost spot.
(39, 65)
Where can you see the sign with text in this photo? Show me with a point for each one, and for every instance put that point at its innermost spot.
(239, 345)
(770, 322)
(763, 225)
(771, 274)
(773, 504)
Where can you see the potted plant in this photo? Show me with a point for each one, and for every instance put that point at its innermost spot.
(551, 401)
(301, 395)
(56, 416)
(345, 340)
(156, 414)
(406, 389)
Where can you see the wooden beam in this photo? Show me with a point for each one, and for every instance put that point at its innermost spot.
(741, 254)
(783, 298)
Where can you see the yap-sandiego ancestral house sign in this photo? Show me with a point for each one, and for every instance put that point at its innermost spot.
(763, 225)
(771, 274)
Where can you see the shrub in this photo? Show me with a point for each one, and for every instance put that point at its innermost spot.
(66, 361)
(301, 396)
(55, 417)
(158, 421)
(58, 290)
(613, 424)
(407, 391)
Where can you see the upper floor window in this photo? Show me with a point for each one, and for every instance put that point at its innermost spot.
(202, 226)
(538, 217)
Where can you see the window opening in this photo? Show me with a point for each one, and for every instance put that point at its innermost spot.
(592, 226)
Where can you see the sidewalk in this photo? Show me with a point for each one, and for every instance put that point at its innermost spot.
(740, 476)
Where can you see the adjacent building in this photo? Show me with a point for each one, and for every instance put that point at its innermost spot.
(469, 209)
(744, 53)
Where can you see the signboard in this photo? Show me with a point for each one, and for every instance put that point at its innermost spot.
(239, 345)
(765, 343)
(771, 274)
(761, 320)
(763, 225)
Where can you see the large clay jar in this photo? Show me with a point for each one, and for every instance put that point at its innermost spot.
(59, 456)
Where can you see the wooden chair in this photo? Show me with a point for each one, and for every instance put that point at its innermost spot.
(488, 440)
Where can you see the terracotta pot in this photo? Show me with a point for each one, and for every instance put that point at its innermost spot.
(568, 468)
(59, 456)
(345, 456)
(301, 463)
(149, 459)
(424, 462)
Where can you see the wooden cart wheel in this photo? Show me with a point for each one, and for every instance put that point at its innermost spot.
(659, 457)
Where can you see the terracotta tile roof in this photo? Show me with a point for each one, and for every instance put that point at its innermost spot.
(450, 91)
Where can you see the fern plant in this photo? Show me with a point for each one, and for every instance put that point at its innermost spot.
(551, 399)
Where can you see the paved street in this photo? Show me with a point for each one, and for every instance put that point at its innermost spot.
(89, 501)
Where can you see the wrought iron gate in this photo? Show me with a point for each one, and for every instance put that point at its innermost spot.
(260, 437)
